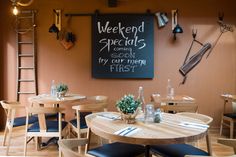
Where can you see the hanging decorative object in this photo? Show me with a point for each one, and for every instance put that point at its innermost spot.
(16, 3)
(56, 26)
(161, 19)
(223, 29)
(66, 37)
(176, 28)
(190, 63)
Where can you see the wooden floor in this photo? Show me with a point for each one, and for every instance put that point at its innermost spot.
(17, 146)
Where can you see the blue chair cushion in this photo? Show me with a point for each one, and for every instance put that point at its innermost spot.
(83, 124)
(177, 150)
(52, 126)
(230, 115)
(117, 149)
(20, 121)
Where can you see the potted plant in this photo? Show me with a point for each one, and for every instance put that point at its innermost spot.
(128, 107)
(61, 89)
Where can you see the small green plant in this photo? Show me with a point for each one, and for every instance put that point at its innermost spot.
(127, 104)
(62, 87)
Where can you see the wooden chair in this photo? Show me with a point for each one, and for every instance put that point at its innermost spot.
(180, 108)
(44, 128)
(229, 119)
(92, 104)
(204, 118)
(180, 150)
(11, 108)
(224, 141)
(69, 146)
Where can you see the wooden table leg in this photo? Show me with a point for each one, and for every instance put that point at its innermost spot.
(147, 149)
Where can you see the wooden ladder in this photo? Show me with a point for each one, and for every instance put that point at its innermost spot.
(26, 53)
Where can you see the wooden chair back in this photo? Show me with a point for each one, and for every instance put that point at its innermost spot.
(98, 98)
(180, 108)
(93, 104)
(93, 107)
(228, 142)
(10, 109)
(41, 111)
(68, 146)
(204, 118)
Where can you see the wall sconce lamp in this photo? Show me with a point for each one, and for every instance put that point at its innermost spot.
(56, 27)
(16, 3)
(175, 26)
(161, 19)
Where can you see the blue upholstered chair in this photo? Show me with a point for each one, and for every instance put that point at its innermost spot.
(91, 104)
(44, 127)
(229, 119)
(108, 150)
(117, 149)
(11, 108)
(224, 141)
(180, 150)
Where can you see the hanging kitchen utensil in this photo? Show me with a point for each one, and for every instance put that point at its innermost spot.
(67, 38)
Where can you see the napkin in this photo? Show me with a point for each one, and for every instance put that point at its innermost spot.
(227, 95)
(127, 131)
(194, 125)
(109, 116)
(187, 98)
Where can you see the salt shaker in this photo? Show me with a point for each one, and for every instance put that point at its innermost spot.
(158, 116)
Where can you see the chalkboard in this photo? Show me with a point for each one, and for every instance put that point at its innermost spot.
(122, 46)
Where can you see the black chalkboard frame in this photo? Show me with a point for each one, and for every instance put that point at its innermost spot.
(144, 72)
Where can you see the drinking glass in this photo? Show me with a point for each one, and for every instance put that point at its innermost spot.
(149, 113)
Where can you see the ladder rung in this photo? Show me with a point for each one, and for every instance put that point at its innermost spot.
(25, 42)
(26, 80)
(24, 30)
(25, 17)
(26, 92)
(26, 55)
(26, 67)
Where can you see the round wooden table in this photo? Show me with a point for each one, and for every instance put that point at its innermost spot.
(169, 131)
(50, 100)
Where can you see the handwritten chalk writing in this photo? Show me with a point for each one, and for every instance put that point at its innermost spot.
(122, 49)
(122, 46)
(120, 29)
(140, 62)
(122, 68)
(117, 61)
(102, 61)
(123, 55)
(136, 42)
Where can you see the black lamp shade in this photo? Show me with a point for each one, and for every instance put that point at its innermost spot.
(177, 29)
(53, 29)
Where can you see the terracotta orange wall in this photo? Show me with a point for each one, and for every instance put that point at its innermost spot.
(212, 77)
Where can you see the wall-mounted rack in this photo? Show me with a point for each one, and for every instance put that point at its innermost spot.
(148, 13)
